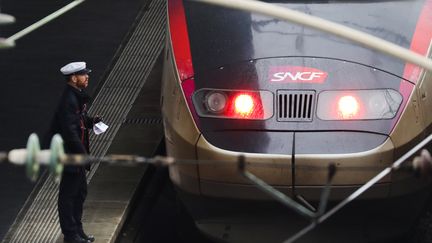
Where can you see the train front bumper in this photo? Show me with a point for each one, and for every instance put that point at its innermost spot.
(305, 174)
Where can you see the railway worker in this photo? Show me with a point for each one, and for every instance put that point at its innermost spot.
(72, 123)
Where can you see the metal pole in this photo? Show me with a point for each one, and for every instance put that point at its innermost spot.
(43, 21)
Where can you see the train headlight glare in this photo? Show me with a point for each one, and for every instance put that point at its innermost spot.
(358, 104)
(216, 102)
(243, 104)
(348, 106)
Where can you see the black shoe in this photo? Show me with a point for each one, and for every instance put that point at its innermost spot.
(83, 235)
(75, 239)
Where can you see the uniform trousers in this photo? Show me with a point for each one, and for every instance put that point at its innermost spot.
(72, 194)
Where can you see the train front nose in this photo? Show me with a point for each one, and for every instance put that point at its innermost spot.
(313, 112)
(295, 159)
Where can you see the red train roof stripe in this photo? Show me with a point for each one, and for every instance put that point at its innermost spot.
(420, 43)
(180, 38)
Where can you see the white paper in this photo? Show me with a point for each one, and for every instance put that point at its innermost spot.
(99, 128)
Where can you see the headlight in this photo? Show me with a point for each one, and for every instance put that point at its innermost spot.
(215, 102)
(358, 104)
(238, 104)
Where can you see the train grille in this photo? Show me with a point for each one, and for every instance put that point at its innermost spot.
(295, 105)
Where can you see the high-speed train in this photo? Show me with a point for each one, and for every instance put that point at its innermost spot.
(292, 100)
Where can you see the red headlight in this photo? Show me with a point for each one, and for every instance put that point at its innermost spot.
(348, 107)
(254, 105)
(358, 104)
(244, 104)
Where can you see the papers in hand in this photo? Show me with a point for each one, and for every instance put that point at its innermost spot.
(99, 128)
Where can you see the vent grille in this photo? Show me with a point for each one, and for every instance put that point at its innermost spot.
(293, 105)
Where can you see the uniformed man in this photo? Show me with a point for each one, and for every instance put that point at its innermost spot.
(72, 123)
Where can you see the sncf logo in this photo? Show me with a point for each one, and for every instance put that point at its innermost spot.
(296, 74)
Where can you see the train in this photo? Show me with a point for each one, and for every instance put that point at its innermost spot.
(292, 100)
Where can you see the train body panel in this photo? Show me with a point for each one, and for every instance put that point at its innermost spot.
(180, 132)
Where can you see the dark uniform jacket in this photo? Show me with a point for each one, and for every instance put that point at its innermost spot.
(72, 123)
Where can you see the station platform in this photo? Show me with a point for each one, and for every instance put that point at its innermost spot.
(128, 100)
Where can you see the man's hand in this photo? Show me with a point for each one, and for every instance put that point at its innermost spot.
(97, 119)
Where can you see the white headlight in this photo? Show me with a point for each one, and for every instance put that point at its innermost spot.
(215, 102)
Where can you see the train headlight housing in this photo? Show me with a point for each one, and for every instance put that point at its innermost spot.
(358, 104)
(233, 104)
